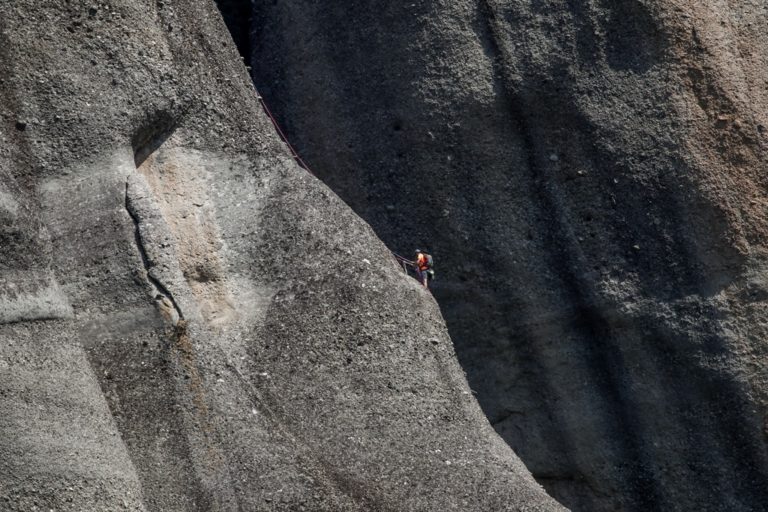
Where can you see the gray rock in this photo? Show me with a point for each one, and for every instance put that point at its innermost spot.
(625, 379)
(186, 328)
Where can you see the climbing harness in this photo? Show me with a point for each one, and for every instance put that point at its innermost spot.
(424, 261)
(405, 262)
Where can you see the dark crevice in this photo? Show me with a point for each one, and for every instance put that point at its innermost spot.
(151, 135)
(146, 262)
(20, 320)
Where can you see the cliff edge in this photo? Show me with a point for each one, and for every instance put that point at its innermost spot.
(188, 321)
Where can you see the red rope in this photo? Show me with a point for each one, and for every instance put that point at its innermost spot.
(403, 258)
(296, 156)
(302, 163)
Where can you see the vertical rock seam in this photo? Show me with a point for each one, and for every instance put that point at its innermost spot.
(159, 286)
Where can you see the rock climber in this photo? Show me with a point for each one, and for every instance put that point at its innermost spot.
(423, 265)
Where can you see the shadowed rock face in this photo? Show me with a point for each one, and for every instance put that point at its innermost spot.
(189, 322)
(589, 177)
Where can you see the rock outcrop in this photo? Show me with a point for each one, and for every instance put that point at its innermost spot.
(590, 178)
(190, 322)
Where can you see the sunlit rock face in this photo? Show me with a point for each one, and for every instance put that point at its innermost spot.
(190, 322)
(590, 177)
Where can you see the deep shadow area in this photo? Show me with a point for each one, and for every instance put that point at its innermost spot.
(237, 16)
(151, 134)
(540, 161)
(634, 42)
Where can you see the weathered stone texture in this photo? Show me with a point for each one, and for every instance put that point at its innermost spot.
(189, 321)
(590, 177)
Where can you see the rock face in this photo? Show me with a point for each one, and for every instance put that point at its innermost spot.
(188, 321)
(590, 179)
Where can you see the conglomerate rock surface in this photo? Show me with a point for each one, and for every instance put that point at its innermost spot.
(188, 321)
(591, 179)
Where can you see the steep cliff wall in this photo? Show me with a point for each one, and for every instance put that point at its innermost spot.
(187, 320)
(589, 176)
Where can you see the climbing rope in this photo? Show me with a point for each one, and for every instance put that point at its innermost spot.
(402, 258)
(405, 262)
(280, 132)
